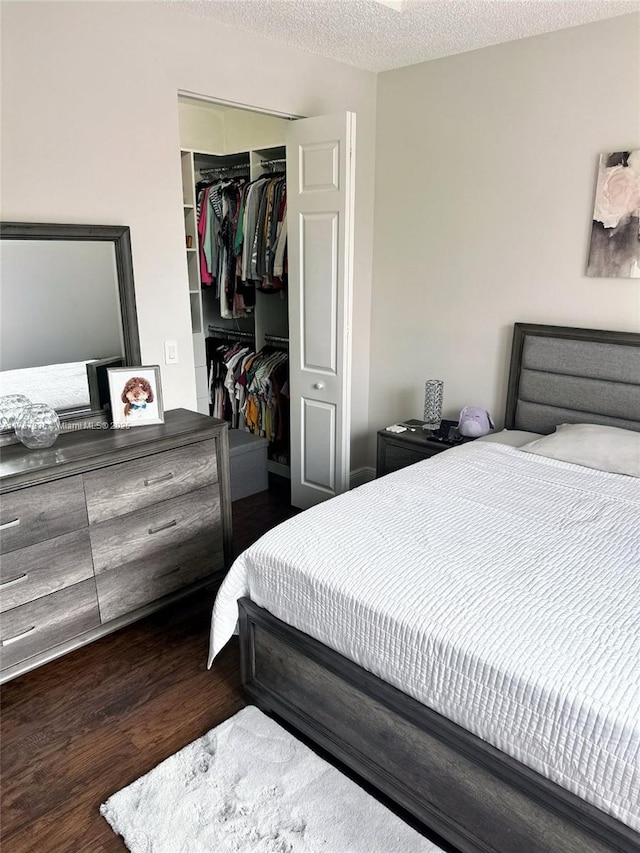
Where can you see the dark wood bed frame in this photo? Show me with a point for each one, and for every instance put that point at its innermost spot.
(474, 796)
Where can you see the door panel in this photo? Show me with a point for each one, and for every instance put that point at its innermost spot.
(319, 290)
(319, 429)
(320, 172)
(320, 166)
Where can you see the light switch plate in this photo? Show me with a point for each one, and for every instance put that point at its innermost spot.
(171, 352)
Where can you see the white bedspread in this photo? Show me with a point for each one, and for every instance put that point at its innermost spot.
(499, 588)
(61, 386)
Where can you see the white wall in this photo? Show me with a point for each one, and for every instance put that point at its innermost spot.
(90, 135)
(485, 173)
(219, 129)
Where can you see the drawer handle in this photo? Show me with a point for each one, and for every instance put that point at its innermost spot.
(13, 581)
(8, 524)
(153, 530)
(152, 481)
(17, 637)
(166, 574)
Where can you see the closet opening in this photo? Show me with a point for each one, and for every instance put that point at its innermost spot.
(233, 164)
(269, 256)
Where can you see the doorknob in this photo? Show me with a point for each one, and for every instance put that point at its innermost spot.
(318, 386)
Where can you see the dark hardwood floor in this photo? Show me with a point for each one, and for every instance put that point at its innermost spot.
(80, 728)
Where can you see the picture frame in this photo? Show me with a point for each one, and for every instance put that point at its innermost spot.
(98, 380)
(135, 394)
(614, 249)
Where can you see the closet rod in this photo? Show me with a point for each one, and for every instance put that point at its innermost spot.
(239, 166)
(276, 339)
(230, 334)
(270, 162)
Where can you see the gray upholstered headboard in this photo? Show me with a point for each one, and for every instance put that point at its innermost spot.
(564, 375)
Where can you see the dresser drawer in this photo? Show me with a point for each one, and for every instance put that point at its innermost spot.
(33, 515)
(155, 551)
(158, 533)
(42, 624)
(128, 486)
(44, 568)
(135, 566)
(135, 585)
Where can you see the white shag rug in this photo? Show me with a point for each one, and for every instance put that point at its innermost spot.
(248, 786)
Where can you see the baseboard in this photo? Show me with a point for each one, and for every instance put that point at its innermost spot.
(360, 476)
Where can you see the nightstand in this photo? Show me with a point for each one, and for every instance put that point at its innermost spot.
(398, 449)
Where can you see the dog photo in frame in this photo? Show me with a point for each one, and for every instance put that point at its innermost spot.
(136, 396)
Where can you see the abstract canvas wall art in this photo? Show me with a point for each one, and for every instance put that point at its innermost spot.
(615, 230)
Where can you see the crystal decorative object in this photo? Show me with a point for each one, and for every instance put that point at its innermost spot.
(10, 407)
(37, 425)
(433, 393)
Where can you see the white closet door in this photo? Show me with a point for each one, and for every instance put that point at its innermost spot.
(320, 189)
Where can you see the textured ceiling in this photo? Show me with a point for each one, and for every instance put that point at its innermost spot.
(378, 35)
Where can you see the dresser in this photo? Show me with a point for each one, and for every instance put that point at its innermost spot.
(105, 527)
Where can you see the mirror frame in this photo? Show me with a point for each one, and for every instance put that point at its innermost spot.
(120, 236)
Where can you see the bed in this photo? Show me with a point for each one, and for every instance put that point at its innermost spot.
(464, 633)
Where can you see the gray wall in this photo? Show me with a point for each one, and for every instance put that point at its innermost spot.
(485, 174)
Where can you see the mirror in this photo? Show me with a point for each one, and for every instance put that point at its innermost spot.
(68, 310)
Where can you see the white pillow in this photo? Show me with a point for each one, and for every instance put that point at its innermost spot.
(602, 447)
(511, 437)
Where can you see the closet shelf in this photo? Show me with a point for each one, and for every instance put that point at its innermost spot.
(187, 206)
(199, 152)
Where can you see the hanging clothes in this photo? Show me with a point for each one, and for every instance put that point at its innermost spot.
(264, 228)
(251, 391)
(242, 237)
(225, 362)
(218, 207)
(266, 409)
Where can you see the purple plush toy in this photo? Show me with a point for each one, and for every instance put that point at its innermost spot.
(474, 421)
